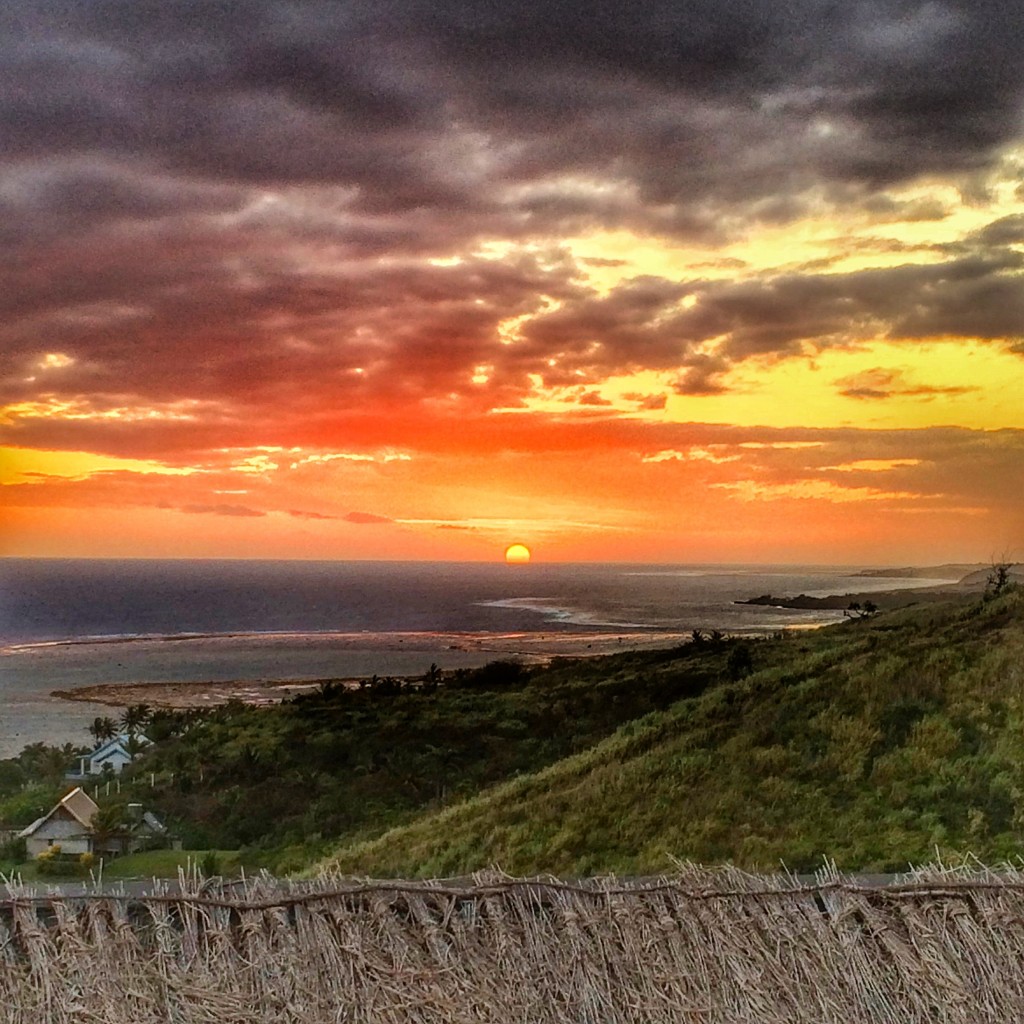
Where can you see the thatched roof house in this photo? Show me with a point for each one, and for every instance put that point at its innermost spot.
(68, 824)
(71, 824)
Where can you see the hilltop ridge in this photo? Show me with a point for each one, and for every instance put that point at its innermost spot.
(872, 743)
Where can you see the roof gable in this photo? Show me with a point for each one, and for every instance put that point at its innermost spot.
(108, 752)
(121, 741)
(77, 803)
(81, 805)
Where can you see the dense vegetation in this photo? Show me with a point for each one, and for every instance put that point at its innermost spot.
(872, 742)
(344, 763)
(30, 784)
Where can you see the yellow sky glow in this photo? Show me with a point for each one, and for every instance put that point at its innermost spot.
(645, 497)
(28, 465)
(939, 383)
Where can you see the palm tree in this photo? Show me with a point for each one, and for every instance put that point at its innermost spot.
(53, 765)
(107, 824)
(103, 729)
(135, 717)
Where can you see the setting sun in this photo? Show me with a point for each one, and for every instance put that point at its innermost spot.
(517, 554)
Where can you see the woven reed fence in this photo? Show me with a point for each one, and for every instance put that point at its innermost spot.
(700, 947)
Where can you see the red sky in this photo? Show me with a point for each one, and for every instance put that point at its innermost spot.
(324, 281)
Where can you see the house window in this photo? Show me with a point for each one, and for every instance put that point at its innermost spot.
(49, 842)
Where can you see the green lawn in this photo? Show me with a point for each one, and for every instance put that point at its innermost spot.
(8, 869)
(151, 864)
(165, 863)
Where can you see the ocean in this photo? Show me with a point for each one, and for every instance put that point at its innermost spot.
(70, 623)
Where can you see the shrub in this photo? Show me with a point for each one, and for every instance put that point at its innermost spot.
(49, 861)
(14, 850)
(52, 862)
(210, 864)
(495, 675)
(740, 662)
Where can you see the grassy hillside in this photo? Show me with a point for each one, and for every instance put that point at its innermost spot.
(290, 781)
(872, 742)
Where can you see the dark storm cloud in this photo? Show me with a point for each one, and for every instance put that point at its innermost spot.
(437, 104)
(591, 398)
(885, 208)
(881, 383)
(257, 328)
(701, 377)
(599, 335)
(1005, 231)
(209, 345)
(658, 324)
(43, 201)
(972, 467)
(233, 203)
(981, 296)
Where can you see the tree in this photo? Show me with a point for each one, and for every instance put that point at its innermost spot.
(103, 729)
(107, 824)
(12, 777)
(31, 757)
(740, 662)
(998, 578)
(133, 745)
(134, 718)
(54, 764)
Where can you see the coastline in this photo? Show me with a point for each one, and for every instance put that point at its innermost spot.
(884, 600)
(179, 696)
(54, 684)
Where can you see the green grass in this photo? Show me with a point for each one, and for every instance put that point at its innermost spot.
(165, 863)
(150, 864)
(26, 871)
(873, 743)
(287, 782)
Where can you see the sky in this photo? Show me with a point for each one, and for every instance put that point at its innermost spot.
(724, 281)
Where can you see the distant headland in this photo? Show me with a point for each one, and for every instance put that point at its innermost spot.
(966, 579)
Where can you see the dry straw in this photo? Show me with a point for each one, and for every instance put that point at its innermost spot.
(943, 947)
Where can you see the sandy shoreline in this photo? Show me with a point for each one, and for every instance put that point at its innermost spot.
(181, 694)
(53, 690)
(178, 696)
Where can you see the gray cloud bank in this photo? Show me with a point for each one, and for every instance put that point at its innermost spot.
(234, 202)
(428, 104)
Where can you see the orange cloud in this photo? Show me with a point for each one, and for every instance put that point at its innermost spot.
(567, 277)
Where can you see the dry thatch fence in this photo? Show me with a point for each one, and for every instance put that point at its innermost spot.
(699, 947)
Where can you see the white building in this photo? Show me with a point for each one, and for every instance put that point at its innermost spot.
(112, 755)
